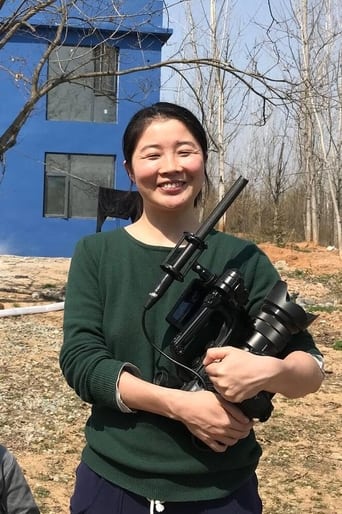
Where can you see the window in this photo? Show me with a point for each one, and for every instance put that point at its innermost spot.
(105, 61)
(89, 99)
(71, 184)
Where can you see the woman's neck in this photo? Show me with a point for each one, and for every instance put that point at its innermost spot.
(163, 230)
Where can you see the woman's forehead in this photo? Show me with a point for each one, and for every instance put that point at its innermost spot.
(166, 129)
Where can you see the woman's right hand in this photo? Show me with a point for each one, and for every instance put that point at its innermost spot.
(211, 419)
(214, 421)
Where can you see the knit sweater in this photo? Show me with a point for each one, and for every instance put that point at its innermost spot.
(110, 277)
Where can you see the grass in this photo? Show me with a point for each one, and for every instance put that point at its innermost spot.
(324, 308)
(337, 345)
(41, 492)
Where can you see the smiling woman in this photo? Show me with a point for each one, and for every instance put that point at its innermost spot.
(142, 438)
(168, 170)
(165, 151)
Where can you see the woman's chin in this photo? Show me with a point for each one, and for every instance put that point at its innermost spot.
(176, 201)
(175, 204)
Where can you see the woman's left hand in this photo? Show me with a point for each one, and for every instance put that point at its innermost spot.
(237, 374)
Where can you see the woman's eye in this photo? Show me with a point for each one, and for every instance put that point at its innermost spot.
(152, 156)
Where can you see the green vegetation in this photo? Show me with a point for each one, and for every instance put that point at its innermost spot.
(41, 492)
(324, 308)
(338, 345)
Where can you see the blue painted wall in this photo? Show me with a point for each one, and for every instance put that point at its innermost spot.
(23, 228)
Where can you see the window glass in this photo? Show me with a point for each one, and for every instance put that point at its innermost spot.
(72, 181)
(89, 172)
(87, 99)
(55, 196)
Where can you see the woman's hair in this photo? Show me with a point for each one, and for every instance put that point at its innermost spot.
(167, 111)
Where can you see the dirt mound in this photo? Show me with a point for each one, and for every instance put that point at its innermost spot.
(317, 259)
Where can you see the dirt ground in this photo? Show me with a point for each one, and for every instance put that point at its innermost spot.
(42, 420)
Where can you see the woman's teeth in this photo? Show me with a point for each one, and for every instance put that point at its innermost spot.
(171, 185)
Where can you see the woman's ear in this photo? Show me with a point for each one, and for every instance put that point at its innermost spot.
(129, 171)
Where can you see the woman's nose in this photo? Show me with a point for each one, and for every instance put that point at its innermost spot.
(170, 164)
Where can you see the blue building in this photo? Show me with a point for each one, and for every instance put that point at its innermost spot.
(71, 143)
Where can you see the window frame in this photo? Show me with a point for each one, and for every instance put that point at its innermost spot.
(104, 58)
(103, 63)
(69, 176)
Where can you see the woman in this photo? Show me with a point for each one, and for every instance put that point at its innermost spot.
(141, 453)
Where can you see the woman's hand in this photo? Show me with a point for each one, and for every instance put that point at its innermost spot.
(212, 420)
(237, 374)
(206, 415)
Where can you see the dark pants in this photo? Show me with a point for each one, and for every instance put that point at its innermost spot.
(94, 495)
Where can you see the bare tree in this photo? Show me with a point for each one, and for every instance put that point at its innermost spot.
(276, 173)
(61, 16)
(209, 29)
(319, 108)
(305, 37)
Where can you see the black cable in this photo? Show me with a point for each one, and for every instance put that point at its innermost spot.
(171, 359)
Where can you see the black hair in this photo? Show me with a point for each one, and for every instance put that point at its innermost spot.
(163, 110)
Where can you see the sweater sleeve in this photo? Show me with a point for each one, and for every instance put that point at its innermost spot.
(85, 360)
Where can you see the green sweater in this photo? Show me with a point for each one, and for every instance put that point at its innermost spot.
(110, 277)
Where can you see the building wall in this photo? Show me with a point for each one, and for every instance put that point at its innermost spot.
(23, 228)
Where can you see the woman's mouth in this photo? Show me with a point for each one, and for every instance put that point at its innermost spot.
(172, 186)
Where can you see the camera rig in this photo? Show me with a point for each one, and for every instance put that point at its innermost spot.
(215, 305)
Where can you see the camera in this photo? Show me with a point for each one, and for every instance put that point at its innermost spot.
(214, 310)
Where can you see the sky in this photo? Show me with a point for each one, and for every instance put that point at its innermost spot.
(245, 11)
(247, 14)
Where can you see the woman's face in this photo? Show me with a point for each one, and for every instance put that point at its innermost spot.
(168, 165)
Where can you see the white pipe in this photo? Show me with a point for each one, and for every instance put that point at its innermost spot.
(18, 311)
